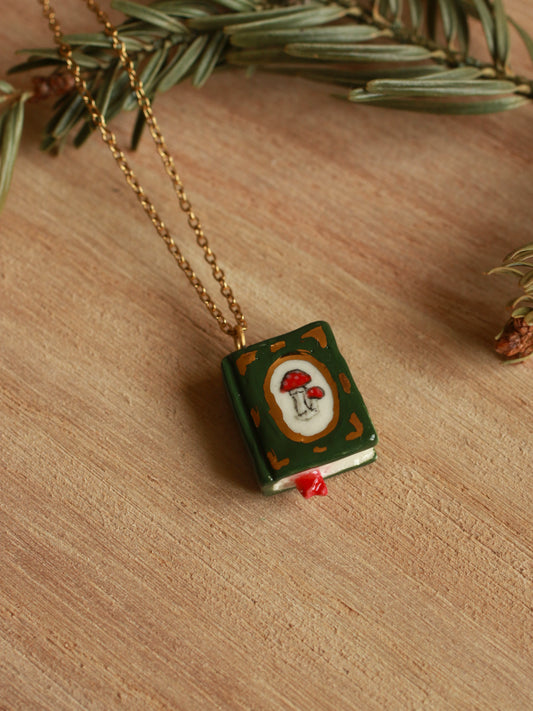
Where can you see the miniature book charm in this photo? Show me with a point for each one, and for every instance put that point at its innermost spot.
(301, 414)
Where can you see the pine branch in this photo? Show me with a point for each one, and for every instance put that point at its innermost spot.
(515, 340)
(11, 122)
(413, 56)
(386, 57)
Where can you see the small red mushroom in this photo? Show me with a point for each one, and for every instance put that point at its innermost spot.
(312, 395)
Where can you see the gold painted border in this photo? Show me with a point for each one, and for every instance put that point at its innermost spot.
(275, 410)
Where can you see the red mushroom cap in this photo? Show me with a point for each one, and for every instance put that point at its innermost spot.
(294, 379)
(315, 393)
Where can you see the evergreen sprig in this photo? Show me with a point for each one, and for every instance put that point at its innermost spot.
(11, 121)
(515, 340)
(410, 56)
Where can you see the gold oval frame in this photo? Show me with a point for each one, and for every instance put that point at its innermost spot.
(275, 410)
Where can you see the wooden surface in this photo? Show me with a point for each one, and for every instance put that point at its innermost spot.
(140, 567)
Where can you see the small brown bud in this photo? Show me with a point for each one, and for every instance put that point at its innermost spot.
(53, 85)
(41, 88)
(61, 83)
(516, 339)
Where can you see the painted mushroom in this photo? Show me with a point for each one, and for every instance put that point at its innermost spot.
(294, 382)
(311, 396)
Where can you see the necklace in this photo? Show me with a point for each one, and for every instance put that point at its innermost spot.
(300, 412)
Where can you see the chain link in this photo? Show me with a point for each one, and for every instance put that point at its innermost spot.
(65, 50)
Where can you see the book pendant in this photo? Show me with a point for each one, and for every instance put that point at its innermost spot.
(300, 412)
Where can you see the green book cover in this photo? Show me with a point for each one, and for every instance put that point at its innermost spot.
(301, 414)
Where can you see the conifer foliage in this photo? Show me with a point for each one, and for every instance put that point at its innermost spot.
(409, 55)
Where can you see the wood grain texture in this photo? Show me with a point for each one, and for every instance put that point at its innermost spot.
(140, 567)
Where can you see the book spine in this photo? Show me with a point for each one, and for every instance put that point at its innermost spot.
(247, 427)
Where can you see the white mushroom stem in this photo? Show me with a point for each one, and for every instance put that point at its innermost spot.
(298, 397)
(311, 403)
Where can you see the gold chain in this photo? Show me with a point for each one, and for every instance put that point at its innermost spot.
(65, 50)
